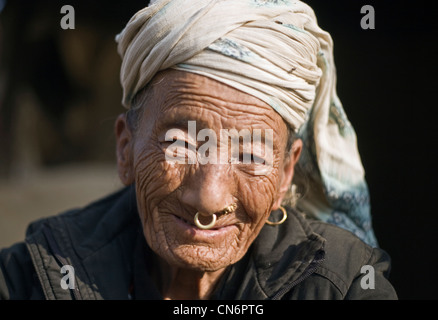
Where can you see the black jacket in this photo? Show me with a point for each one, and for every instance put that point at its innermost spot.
(300, 259)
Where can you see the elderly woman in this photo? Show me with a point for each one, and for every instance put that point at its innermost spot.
(232, 109)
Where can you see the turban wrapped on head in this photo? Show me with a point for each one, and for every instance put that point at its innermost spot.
(273, 50)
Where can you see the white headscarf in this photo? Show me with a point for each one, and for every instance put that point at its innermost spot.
(275, 51)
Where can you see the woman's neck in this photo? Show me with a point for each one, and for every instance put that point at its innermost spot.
(177, 283)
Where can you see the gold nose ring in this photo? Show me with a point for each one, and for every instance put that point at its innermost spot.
(205, 226)
(226, 210)
(230, 208)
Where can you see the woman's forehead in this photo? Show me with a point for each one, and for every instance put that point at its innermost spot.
(183, 96)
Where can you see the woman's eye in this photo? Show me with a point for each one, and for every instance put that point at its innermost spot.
(258, 160)
(254, 165)
(176, 142)
(179, 151)
(247, 158)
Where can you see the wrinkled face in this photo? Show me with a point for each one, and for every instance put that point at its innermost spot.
(169, 194)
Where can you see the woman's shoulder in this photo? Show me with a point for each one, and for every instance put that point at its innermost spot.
(18, 279)
(339, 239)
(57, 240)
(351, 265)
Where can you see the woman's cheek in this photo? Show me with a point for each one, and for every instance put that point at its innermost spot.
(257, 197)
(156, 178)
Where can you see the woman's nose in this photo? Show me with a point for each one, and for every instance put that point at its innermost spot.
(210, 189)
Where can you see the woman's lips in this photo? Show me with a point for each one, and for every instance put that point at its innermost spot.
(188, 226)
(184, 220)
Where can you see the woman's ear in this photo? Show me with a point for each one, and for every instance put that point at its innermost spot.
(124, 141)
(287, 173)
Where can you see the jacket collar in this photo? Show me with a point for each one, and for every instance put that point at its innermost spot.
(280, 257)
(285, 254)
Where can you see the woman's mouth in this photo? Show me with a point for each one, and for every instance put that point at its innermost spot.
(185, 221)
(189, 228)
(191, 223)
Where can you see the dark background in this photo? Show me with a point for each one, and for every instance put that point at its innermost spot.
(386, 82)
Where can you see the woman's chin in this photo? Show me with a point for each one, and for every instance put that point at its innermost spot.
(189, 247)
(200, 258)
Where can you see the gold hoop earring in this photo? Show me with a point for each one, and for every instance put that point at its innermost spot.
(282, 219)
(205, 226)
